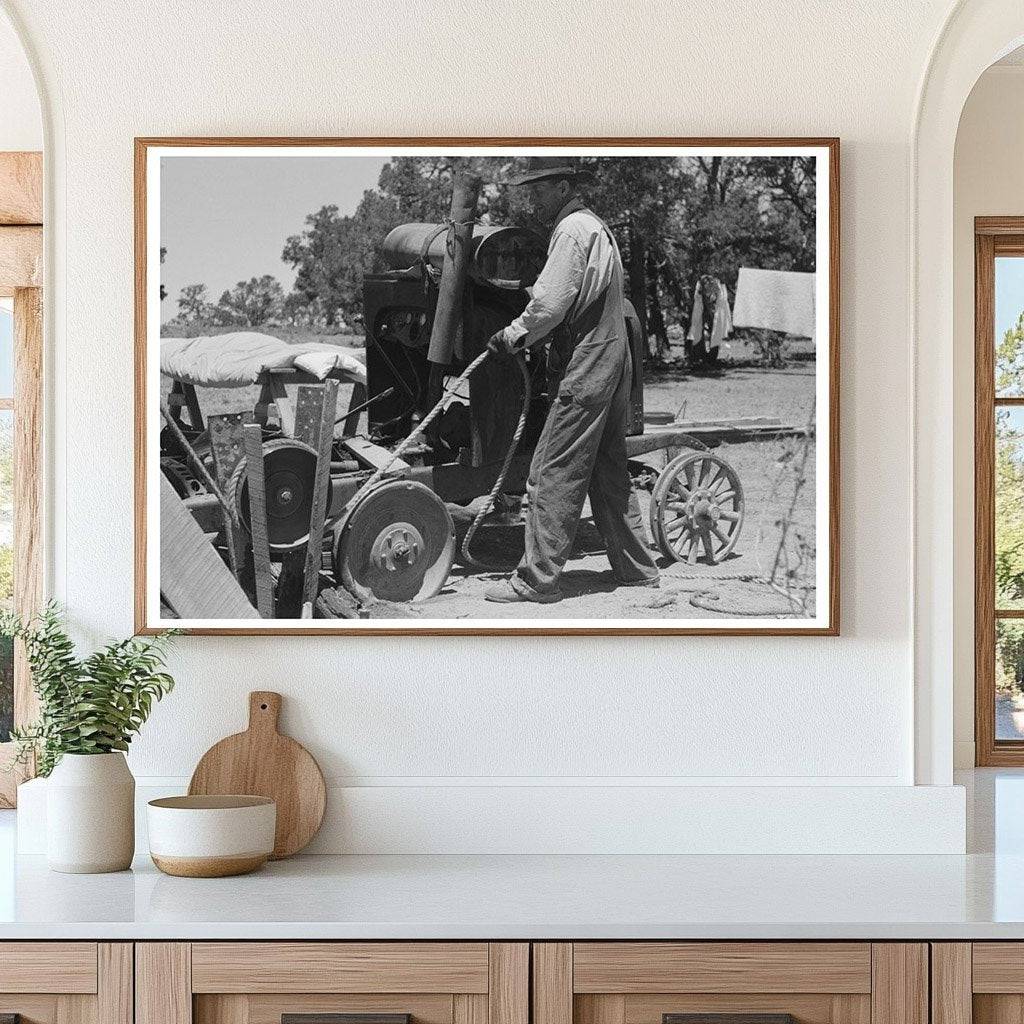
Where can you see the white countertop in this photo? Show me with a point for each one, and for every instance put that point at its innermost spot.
(532, 897)
(978, 896)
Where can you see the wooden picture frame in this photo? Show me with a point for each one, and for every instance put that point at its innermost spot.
(147, 605)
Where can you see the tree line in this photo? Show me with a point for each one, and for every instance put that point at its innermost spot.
(674, 219)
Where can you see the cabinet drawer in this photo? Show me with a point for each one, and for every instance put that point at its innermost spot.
(736, 982)
(261, 982)
(48, 967)
(340, 967)
(634, 967)
(66, 982)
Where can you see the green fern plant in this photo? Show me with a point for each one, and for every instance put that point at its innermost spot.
(90, 705)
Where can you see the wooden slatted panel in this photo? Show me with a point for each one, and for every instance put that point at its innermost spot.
(163, 983)
(997, 1009)
(21, 188)
(721, 967)
(340, 967)
(48, 967)
(899, 988)
(599, 1009)
(998, 967)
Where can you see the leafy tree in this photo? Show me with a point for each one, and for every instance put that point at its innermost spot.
(252, 302)
(1009, 472)
(194, 304)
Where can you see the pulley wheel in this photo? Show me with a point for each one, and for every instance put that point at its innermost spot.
(697, 508)
(396, 544)
(289, 473)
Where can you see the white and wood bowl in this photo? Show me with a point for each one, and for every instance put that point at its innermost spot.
(211, 836)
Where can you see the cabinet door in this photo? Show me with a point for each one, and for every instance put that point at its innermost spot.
(737, 982)
(306, 982)
(66, 982)
(981, 982)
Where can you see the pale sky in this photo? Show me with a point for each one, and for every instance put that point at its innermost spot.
(1009, 293)
(225, 219)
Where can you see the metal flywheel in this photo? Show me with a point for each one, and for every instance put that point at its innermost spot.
(396, 544)
(289, 473)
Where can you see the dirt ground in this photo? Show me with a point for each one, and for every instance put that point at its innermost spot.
(767, 471)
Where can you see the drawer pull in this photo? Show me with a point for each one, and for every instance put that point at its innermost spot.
(728, 1018)
(340, 1018)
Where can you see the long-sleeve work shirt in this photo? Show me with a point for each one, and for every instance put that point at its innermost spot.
(583, 261)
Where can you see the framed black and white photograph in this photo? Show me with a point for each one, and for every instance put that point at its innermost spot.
(395, 386)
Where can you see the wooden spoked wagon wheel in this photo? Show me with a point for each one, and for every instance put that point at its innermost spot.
(697, 508)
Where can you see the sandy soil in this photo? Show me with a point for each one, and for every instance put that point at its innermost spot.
(766, 470)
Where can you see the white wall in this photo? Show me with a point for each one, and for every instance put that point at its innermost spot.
(988, 181)
(21, 125)
(444, 713)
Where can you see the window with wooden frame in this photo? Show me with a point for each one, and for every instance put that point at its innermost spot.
(21, 366)
(999, 490)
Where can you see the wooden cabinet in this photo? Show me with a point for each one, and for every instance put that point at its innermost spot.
(647, 982)
(259, 982)
(66, 982)
(980, 982)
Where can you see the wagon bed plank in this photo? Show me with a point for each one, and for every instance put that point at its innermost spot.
(194, 580)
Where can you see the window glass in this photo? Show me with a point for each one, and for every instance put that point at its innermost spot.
(1009, 679)
(1009, 327)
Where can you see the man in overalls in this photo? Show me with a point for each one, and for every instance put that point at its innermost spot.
(582, 448)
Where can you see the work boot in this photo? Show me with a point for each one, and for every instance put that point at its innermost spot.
(505, 593)
(654, 582)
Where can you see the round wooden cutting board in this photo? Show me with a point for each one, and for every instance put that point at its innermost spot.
(262, 762)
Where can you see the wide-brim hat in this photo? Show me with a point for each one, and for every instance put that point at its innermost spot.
(543, 168)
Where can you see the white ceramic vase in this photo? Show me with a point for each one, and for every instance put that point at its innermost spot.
(90, 814)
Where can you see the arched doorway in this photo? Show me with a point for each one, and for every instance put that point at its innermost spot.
(975, 35)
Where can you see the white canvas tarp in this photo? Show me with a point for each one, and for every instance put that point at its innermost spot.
(236, 359)
(775, 300)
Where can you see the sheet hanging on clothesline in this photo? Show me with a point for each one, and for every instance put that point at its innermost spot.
(775, 300)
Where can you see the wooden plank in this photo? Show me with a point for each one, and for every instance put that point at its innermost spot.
(76, 1009)
(899, 983)
(323, 442)
(851, 1009)
(373, 455)
(28, 482)
(253, 438)
(997, 967)
(997, 1009)
(163, 983)
(815, 1008)
(65, 967)
(31, 1009)
(21, 258)
(509, 983)
(115, 983)
(552, 983)
(193, 577)
(600, 1009)
(722, 967)
(223, 1009)
(467, 1009)
(340, 967)
(285, 409)
(951, 983)
(21, 188)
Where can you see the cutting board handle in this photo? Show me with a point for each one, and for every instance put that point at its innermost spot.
(264, 710)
